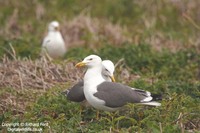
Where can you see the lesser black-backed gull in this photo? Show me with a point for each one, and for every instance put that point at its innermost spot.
(76, 93)
(109, 96)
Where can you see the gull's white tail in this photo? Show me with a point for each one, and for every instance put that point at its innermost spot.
(152, 103)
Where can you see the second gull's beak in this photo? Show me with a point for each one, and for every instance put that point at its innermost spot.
(112, 78)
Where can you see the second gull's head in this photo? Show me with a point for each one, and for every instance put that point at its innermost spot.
(108, 69)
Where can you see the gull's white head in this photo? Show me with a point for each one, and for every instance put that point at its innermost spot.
(90, 61)
(95, 61)
(108, 69)
(53, 26)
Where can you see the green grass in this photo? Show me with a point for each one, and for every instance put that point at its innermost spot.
(64, 116)
(175, 77)
(163, 52)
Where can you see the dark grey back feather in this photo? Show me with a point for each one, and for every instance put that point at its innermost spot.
(117, 95)
(76, 93)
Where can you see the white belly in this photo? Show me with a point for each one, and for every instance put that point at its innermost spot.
(89, 92)
(92, 79)
(94, 101)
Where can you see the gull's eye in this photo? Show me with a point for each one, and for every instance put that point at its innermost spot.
(90, 59)
(106, 69)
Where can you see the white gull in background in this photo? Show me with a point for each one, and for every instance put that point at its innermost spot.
(53, 44)
(109, 96)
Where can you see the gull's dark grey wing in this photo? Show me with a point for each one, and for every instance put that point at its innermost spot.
(76, 93)
(117, 95)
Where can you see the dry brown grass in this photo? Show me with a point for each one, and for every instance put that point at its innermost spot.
(23, 80)
(40, 74)
(86, 31)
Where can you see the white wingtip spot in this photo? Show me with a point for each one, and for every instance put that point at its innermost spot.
(147, 99)
(148, 93)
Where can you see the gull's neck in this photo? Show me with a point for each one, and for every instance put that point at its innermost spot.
(93, 75)
(53, 32)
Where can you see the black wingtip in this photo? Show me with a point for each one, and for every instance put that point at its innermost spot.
(157, 97)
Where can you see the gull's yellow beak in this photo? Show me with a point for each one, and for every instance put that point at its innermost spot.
(112, 78)
(80, 64)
